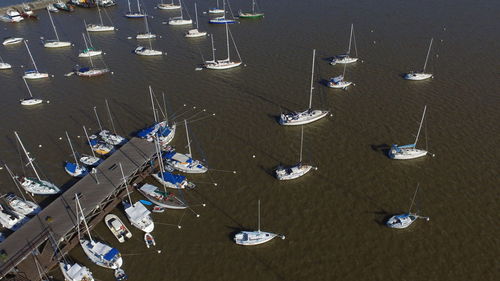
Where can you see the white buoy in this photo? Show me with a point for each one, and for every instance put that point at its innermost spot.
(234, 172)
(1, 168)
(204, 205)
(60, 138)
(48, 101)
(179, 227)
(159, 251)
(253, 156)
(213, 114)
(39, 145)
(130, 37)
(197, 215)
(215, 184)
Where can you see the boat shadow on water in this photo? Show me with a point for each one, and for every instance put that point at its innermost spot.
(381, 148)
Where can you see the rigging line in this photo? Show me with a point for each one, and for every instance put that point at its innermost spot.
(21, 158)
(234, 44)
(355, 46)
(107, 15)
(230, 10)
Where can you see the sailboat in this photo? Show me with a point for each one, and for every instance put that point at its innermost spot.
(134, 15)
(256, 237)
(106, 135)
(168, 6)
(31, 100)
(216, 10)
(222, 19)
(252, 14)
(148, 34)
(18, 204)
(99, 27)
(87, 159)
(117, 227)
(90, 71)
(12, 40)
(55, 43)
(72, 271)
(338, 82)
(307, 116)
(145, 51)
(74, 169)
(225, 63)
(409, 151)
(4, 65)
(172, 180)
(137, 214)
(11, 220)
(346, 58)
(184, 162)
(421, 75)
(89, 51)
(404, 220)
(33, 73)
(35, 185)
(192, 33)
(160, 130)
(179, 20)
(297, 170)
(98, 252)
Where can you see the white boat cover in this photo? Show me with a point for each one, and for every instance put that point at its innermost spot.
(137, 212)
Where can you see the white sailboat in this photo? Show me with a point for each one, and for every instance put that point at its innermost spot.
(12, 41)
(168, 6)
(117, 227)
(180, 20)
(134, 15)
(222, 19)
(137, 214)
(31, 100)
(55, 43)
(11, 220)
(421, 75)
(35, 185)
(216, 10)
(256, 237)
(74, 169)
(20, 205)
(90, 160)
(148, 34)
(307, 116)
(184, 162)
(99, 27)
(346, 58)
(193, 33)
(106, 135)
(225, 63)
(297, 170)
(409, 151)
(338, 82)
(145, 51)
(4, 65)
(75, 272)
(404, 220)
(33, 73)
(89, 51)
(91, 71)
(98, 252)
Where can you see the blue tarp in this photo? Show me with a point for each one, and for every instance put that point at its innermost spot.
(109, 256)
(144, 133)
(407, 146)
(168, 154)
(71, 167)
(174, 179)
(163, 131)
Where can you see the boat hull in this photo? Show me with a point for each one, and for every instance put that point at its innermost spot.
(222, 66)
(57, 44)
(31, 101)
(168, 6)
(4, 65)
(293, 172)
(35, 75)
(100, 28)
(89, 54)
(12, 41)
(314, 116)
(417, 76)
(407, 153)
(194, 33)
(252, 238)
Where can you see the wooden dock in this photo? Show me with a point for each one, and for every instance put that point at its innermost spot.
(99, 193)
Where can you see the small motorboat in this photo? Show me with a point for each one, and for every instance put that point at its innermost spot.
(139, 216)
(149, 239)
(120, 275)
(117, 227)
(12, 40)
(52, 9)
(75, 272)
(179, 21)
(22, 206)
(11, 219)
(90, 160)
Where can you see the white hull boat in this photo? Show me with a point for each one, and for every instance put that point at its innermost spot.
(56, 44)
(193, 33)
(4, 65)
(145, 36)
(409, 151)
(12, 220)
(39, 187)
(168, 6)
(162, 198)
(302, 118)
(179, 21)
(22, 206)
(346, 58)
(216, 11)
(75, 272)
(90, 160)
(12, 41)
(111, 138)
(339, 82)
(102, 254)
(74, 170)
(143, 51)
(117, 227)
(100, 147)
(89, 53)
(222, 64)
(31, 101)
(293, 172)
(99, 28)
(172, 181)
(32, 74)
(184, 163)
(421, 75)
(404, 220)
(139, 216)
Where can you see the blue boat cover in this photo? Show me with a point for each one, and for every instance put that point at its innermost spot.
(84, 69)
(94, 142)
(109, 256)
(174, 179)
(71, 167)
(407, 146)
(168, 154)
(146, 131)
(163, 131)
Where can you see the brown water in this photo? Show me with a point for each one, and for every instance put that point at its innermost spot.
(333, 217)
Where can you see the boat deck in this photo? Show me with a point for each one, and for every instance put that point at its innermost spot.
(59, 216)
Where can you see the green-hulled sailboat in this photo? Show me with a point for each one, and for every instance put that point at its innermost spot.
(252, 14)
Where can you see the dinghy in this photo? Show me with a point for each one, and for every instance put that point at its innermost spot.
(158, 209)
(307, 116)
(251, 238)
(162, 198)
(421, 75)
(346, 58)
(404, 220)
(35, 185)
(120, 275)
(98, 252)
(117, 227)
(180, 20)
(12, 40)
(12, 220)
(149, 239)
(409, 151)
(22, 206)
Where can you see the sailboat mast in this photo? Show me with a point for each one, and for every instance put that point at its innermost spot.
(97, 117)
(227, 39)
(413, 200)
(30, 160)
(52, 21)
(100, 16)
(428, 52)
(83, 216)
(213, 49)
(350, 39)
(15, 181)
(312, 80)
(27, 87)
(165, 107)
(146, 22)
(420, 127)
(29, 52)
(110, 117)
(253, 7)
(125, 183)
(88, 35)
(180, 4)
(258, 215)
(301, 142)
(187, 136)
(88, 140)
(87, 48)
(152, 103)
(129, 9)
(72, 150)
(196, 14)
(160, 162)
(138, 6)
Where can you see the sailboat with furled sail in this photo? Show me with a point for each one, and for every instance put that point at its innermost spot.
(89, 160)
(20, 205)
(99, 27)
(33, 73)
(421, 75)
(216, 10)
(404, 220)
(346, 58)
(256, 237)
(225, 63)
(168, 6)
(31, 100)
(89, 50)
(338, 82)
(180, 20)
(252, 14)
(55, 43)
(35, 185)
(91, 71)
(223, 19)
(297, 170)
(134, 15)
(74, 169)
(307, 116)
(148, 34)
(193, 33)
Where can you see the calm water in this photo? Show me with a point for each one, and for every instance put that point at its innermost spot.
(333, 217)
